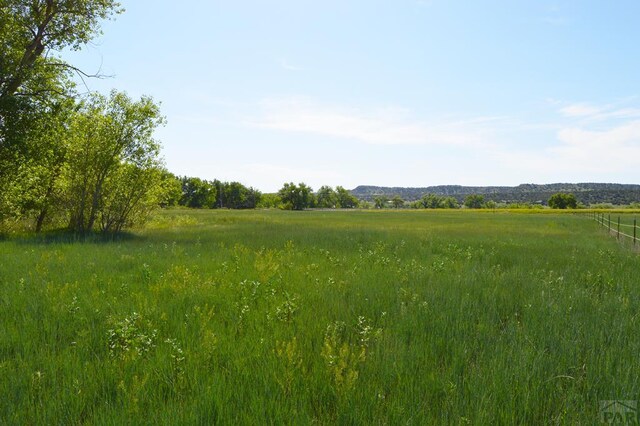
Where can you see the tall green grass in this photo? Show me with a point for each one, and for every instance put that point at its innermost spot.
(271, 317)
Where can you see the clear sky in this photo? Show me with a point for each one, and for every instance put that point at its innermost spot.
(389, 93)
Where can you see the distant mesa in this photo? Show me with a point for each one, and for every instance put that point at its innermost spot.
(586, 193)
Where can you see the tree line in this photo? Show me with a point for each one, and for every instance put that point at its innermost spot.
(201, 193)
(301, 196)
(472, 201)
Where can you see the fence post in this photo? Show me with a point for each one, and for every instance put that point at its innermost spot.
(634, 231)
(618, 227)
(609, 226)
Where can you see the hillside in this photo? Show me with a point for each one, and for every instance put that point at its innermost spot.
(586, 193)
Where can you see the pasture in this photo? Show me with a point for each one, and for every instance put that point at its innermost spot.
(357, 317)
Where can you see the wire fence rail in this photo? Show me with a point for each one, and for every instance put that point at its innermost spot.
(621, 230)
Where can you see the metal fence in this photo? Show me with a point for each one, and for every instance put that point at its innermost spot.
(621, 229)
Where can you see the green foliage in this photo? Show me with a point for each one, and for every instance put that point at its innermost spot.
(474, 201)
(295, 197)
(326, 198)
(93, 163)
(131, 337)
(200, 193)
(432, 201)
(269, 201)
(113, 170)
(341, 198)
(32, 150)
(172, 190)
(234, 195)
(562, 200)
(31, 30)
(345, 199)
(397, 201)
(380, 201)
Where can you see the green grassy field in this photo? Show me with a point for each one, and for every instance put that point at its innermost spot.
(272, 317)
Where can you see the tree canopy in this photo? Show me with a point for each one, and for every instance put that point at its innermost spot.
(31, 29)
(563, 200)
(295, 197)
(474, 201)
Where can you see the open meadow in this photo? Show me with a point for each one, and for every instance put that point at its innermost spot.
(356, 317)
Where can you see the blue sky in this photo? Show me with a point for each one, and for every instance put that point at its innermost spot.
(390, 93)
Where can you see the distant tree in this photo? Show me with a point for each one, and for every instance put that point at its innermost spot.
(474, 201)
(326, 198)
(397, 201)
(563, 200)
(233, 195)
(345, 199)
(198, 193)
(295, 197)
(312, 201)
(269, 201)
(449, 203)
(253, 198)
(431, 201)
(172, 190)
(380, 201)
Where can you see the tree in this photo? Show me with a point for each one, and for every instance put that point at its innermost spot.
(172, 190)
(35, 92)
(198, 193)
(238, 196)
(295, 197)
(345, 199)
(47, 150)
(397, 201)
(326, 198)
(235, 195)
(130, 193)
(562, 200)
(474, 201)
(32, 148)
(430, 201)
(113, 173)
(449, 203)
(269, 201)
(380, 201)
